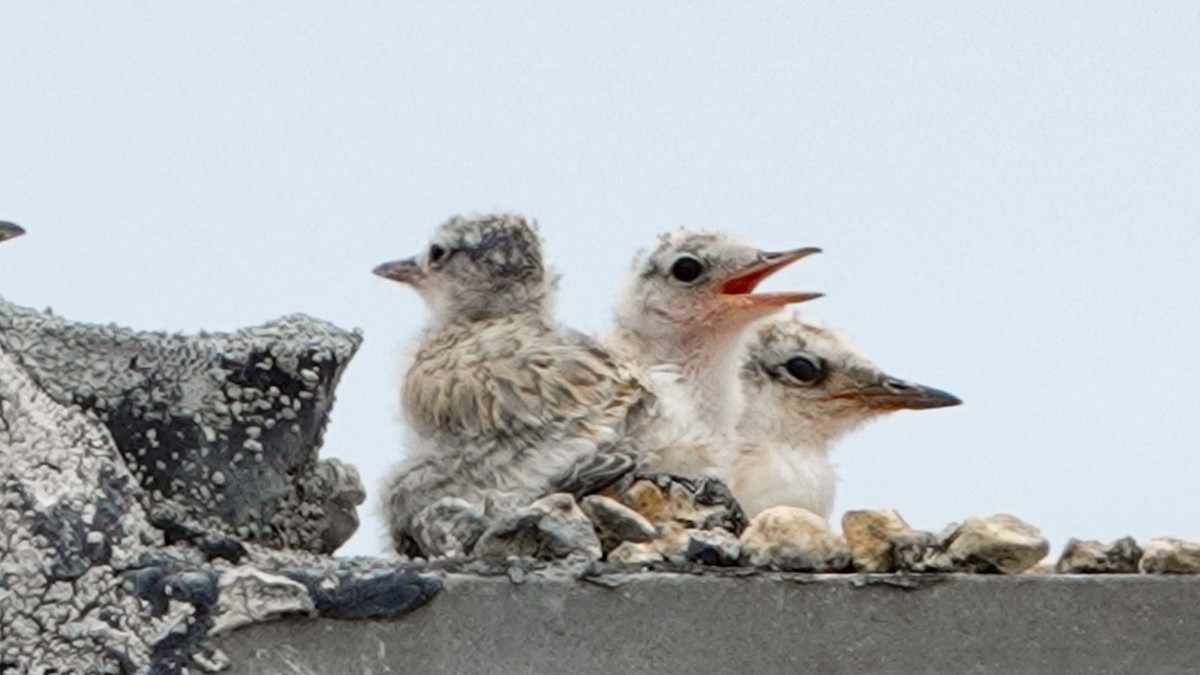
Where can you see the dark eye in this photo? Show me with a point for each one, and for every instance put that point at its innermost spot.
(804, 369)
(687, 269)
(436, 253)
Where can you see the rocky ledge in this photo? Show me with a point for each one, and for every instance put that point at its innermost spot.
(162, 490)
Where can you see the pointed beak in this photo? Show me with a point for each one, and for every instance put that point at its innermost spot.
(740, 288)
(890, 393)
(10, 230)
(405, 271)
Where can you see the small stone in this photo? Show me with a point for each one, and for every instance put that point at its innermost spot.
(549, 528)
(635, 553)
(645, 497)
(615, 522)
(1000, 543)
(1167, 555)
(794, 540)
(918, 551)
(448, 527)
(869, 534)
(713, 547)
(1092, 557)
(248, 595)
(704, 503)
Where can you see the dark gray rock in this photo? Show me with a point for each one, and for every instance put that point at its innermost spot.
(221, 430)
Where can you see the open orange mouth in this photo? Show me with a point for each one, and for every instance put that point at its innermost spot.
(742, 286)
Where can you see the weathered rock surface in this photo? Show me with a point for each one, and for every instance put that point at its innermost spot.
(1093, 557)
(1000, 543)
(1167, 555)
(249, 595)
(616, 523)
(551, 527)
(869, 534)
(791, 539)
(221, 430)
(84, 583)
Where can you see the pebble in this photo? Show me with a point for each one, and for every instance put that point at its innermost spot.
(616, 523)
(1093, 557)
(869, 534)
(795, 540)
(549, 528)
(1168, 555)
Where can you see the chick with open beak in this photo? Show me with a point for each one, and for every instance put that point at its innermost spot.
(10, 230)
(805, 388)
(681, 314)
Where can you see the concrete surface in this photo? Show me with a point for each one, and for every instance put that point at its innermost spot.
(763, 623)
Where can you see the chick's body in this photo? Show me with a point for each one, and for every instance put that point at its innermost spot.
(499, 400)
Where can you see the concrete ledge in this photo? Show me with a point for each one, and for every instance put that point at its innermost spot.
(760, 623)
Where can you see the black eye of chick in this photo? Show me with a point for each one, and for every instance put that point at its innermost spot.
(803, 369)
(687, 269)
(436, 253)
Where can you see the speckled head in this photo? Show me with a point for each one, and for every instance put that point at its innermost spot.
(10, 230)
(478, 267)
(807, 379)
(702, 280)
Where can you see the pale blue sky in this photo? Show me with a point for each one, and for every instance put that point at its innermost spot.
(1008, 196)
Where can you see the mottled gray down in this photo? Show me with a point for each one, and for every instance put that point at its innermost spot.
(222, 430)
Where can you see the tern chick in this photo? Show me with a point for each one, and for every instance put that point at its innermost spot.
(682, 314)
(10, 230)
(805, 388)
(500, 401)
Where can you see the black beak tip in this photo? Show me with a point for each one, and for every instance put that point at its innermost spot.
(10, 230)
(942, 399)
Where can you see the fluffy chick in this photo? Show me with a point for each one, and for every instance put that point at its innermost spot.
(500, 401)
(805, 388)
(681, 314)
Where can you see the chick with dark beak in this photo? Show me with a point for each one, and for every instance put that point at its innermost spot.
(806, 387)
(883, 393)
(406, 271)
